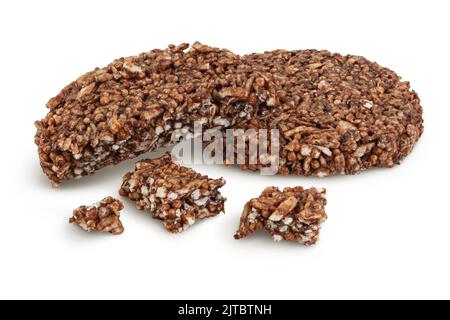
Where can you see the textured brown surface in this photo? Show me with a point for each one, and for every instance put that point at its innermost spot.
(336, 114)
(293, 214)
(103, 216)
(176, 195)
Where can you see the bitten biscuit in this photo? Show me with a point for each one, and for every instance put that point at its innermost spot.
(335, 114)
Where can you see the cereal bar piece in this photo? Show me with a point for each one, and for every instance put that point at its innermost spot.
(103, 216)
(291, 214)
(177, 195)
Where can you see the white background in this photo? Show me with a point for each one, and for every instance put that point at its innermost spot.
(388, 232)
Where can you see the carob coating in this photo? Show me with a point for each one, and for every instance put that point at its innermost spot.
(336, 114)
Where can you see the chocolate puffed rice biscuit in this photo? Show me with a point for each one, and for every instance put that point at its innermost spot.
(176, 195)
(103, 216)
(336, 114)
(294, 214)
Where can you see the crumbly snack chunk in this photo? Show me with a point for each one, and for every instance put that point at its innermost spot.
(336, 114)
(176, 195)
(294, 214)
(103, 216)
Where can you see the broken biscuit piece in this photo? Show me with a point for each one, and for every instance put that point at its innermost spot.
(176, 195)
(103, 216)
(292, 214)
